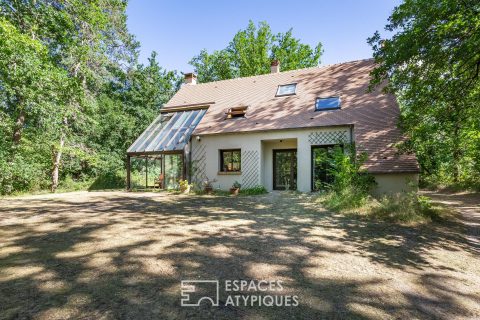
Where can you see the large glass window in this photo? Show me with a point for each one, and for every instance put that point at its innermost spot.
(230, 160)
(327, 103)
(173, 170)
(322, 165)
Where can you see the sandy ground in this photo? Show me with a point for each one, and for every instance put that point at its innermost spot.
(118, 255)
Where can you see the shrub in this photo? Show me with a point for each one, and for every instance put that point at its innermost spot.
(407, 207)
(351, 185)
(253, 191)
(20, 174)
(109, 180)
(345, 199)
(70, 184)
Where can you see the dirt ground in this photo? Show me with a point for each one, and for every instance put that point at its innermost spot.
(118, 255)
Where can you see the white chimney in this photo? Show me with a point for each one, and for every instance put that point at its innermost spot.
(190, 78)
(275, 66)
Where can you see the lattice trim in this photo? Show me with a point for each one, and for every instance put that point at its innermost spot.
(328, 137)
(250, 168)
(199, 164)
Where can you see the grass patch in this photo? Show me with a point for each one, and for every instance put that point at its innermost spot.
(343, 200)
(408, 207)
(405, 208)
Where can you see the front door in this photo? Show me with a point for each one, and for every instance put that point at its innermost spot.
(285, 169)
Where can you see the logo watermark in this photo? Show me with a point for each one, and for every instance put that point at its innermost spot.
(247, 293)
(195, 291)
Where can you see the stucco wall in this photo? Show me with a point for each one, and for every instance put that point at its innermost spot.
(257, 154)
(390, 183)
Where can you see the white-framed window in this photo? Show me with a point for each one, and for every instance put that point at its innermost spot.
(286, 89)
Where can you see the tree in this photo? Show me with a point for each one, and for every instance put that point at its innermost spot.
(432, 64)
(87, 39)
(250, 53)
(32, 90)
(131, 102)
(76, 96)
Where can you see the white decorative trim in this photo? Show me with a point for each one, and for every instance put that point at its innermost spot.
(199, 163)
(250, 168)
(328, 137)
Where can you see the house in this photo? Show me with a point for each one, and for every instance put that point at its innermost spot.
(277, 129)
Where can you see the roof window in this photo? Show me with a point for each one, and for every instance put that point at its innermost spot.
(236, 112)
(286, 89)
(329, 103)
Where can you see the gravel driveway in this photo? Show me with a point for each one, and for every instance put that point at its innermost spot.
(118, 255)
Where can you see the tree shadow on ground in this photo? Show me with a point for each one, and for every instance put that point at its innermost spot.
(120, 255)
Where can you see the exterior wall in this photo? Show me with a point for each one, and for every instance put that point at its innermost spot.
(257, 149)
(391, 183)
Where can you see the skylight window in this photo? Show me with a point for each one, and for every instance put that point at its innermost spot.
(237, 112)
(287, 89)
(330, 103)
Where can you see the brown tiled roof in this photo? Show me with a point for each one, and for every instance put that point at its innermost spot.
(373, 114)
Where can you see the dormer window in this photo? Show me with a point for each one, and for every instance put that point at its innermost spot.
(237, 112)
(286, 89)
(330, 103)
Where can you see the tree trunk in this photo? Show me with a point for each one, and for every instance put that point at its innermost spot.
(17, 131)
(56, 158)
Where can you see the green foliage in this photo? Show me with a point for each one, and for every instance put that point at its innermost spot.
(20, 174)
(236, 185)
(344, 200)
(69, 184)
(351, 185)
(350, 190)
(256, 190)
(72, 95)
(109, 180)
(407, 207)
(250, 53)
(432, 64)
(345, 166)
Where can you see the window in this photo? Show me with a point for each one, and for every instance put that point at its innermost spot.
(236, 112)
(230, 160)
(287, 89)
(327, 103)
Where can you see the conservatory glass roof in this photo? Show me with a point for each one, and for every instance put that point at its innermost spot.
(168, 132)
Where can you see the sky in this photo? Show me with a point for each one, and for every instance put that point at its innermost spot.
(178, 30)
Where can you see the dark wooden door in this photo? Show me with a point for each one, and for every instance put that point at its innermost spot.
(285, 169)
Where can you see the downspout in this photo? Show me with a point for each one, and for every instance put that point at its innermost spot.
(351, 134)
(189, 170)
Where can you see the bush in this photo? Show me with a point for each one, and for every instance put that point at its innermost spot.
(20, 175)
(345, 199)
(350, 189)
(70, 184)
(351, 185)
(109, 180)
(253, 191)
(407, 207)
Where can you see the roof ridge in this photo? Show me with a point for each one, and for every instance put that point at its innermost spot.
(288, 71)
